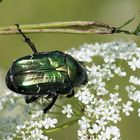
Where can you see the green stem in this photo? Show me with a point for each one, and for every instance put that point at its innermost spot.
(55, 113)
(74, 27)
(59, 127)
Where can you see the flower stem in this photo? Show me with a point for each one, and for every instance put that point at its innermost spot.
(74, 27)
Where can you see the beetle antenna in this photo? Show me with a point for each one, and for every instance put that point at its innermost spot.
(27, 40)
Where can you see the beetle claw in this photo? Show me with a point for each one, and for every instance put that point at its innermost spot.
(71, 94)
(30, 99)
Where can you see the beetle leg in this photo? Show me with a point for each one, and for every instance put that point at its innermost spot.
(27, 40)
(71, 94)
(30, 99)
(51, 104)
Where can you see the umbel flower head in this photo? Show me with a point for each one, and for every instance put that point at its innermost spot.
(112, 77)
(113, 87)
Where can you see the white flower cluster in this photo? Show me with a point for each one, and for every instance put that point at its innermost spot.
(102, 102)
(106, 133)
(33, 128)
(8, 98)
(104, 113)
(113, 73)
(8, 125)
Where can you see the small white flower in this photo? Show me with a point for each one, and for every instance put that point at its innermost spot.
(84, 123)
(67, 110)
(118, 71)
(94, 129)
(102, 91)
(104, 135)
(81, 133)
(134, 80)
(135, 63)
(49, 123)
(36, 134)
(109, 58)
(130, 88)
(102, 123)
(135, 96)
(89, 110)
(127, 108)
(114, 98)
(85, 96)
(18, 128)
(106, 113)
(116, 87)
(115, 117)
(113, 131)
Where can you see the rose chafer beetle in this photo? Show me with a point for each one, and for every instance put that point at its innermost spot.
(45, 74)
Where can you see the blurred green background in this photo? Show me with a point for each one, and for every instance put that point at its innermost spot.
(112, 12)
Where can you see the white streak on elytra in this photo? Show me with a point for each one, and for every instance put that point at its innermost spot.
(11, 77)
(38, 89)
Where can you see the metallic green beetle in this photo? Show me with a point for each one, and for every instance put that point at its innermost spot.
(45, 73)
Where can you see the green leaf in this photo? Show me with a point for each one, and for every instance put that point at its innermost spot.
(127, 22)
(137, 31)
